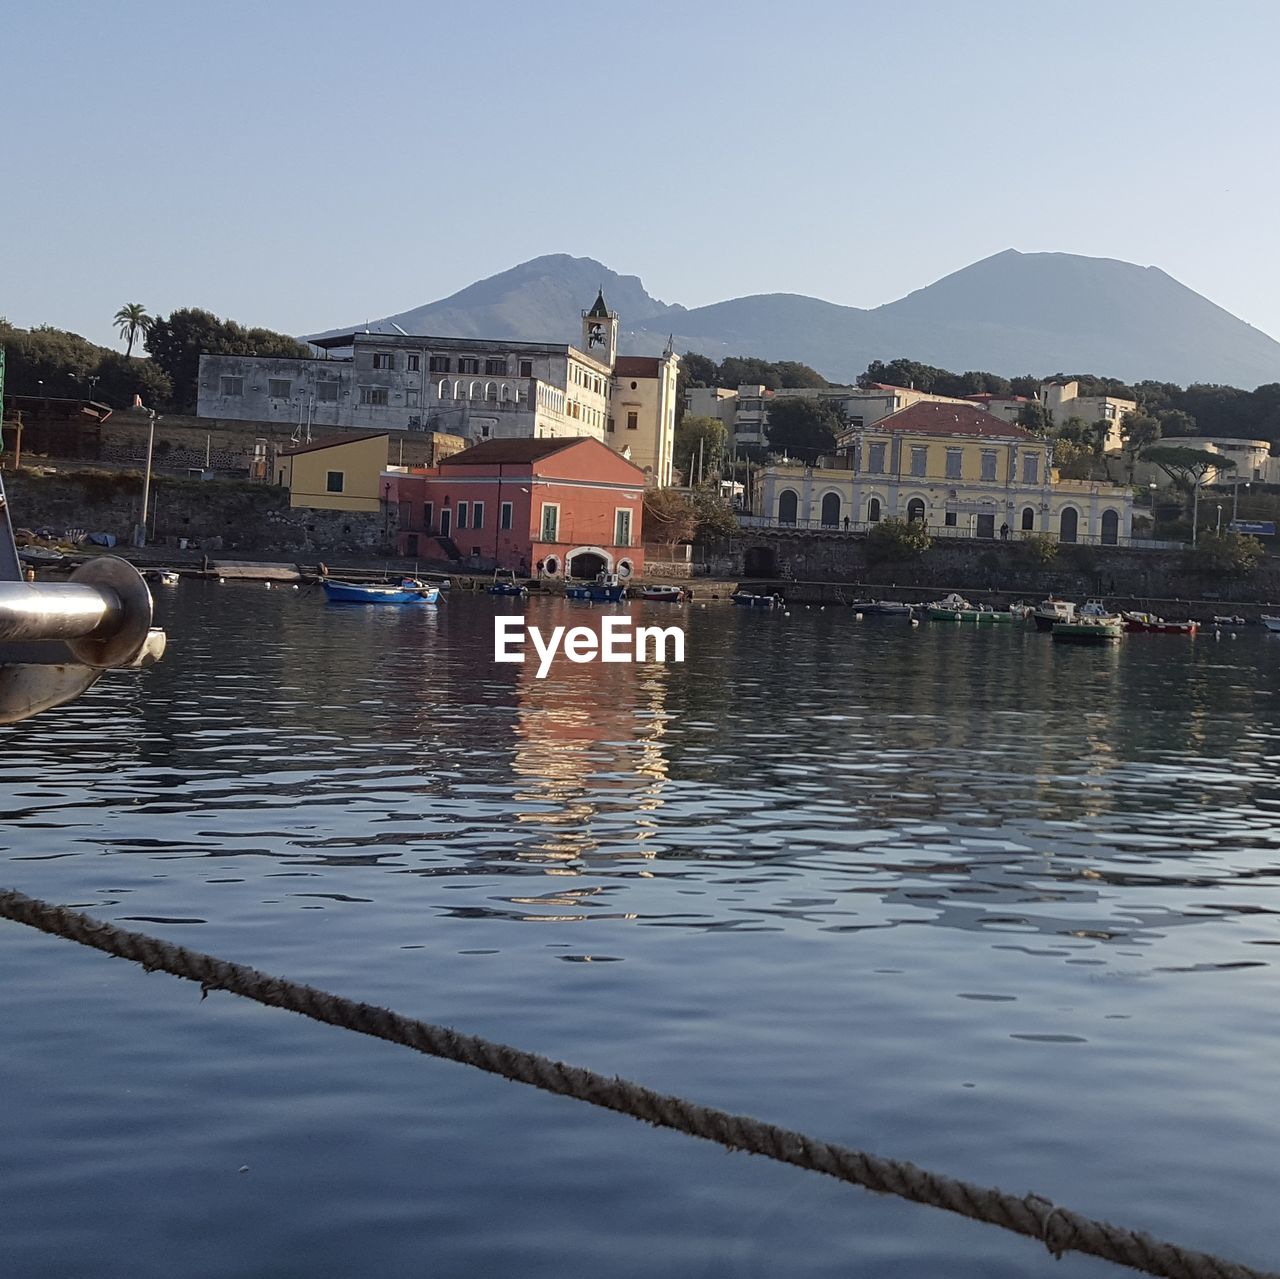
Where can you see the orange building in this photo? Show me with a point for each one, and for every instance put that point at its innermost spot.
(548, 507)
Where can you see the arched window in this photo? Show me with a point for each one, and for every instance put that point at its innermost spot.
(831, 510)
(915, 511)
(788, 505)
(474, 391)
(1069, 523)
(1110, 528)
(873, 510)
(490, 391)
(1028, 519)
(458, 391)
(505, 393)
(444, 390)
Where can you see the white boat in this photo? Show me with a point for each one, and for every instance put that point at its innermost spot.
(1051, 612)
(1095, 608)
(1271, 623)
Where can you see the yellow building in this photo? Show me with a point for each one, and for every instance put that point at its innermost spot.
(958, 470)
(341, 475)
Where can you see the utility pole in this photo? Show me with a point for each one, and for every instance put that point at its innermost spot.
(140, 533)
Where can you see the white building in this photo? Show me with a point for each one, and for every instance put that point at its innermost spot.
(477, 388)
(1062, 401)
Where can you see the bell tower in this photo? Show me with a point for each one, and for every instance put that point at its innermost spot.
(600, 332)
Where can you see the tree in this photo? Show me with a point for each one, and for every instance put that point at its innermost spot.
(1174, 422)
(802, 427)
(669, 517)
(895, 540)
(697, 438)
(1225, 554)
(1138, 431)
(698, 370)
(1034, 417)
(714, 517)
(1036, 550)
(133, 322)
(177, 343)
(1186, 467)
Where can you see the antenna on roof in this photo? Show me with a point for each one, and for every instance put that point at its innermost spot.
(398, 329)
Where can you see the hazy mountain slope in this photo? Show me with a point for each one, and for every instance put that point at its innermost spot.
(1013, 313)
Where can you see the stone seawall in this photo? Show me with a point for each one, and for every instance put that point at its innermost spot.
(212, 515)
(1004, 567)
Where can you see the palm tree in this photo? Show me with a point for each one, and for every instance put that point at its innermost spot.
(132, 319)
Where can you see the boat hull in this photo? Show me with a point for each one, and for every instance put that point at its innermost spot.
(1088, 632)
(744, 600)
(597, 594)
(353, 593)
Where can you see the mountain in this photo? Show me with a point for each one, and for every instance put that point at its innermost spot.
(1013, 313)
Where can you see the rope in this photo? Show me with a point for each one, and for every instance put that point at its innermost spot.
(1059, 1229)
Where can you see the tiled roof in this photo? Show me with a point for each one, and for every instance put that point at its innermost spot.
(637, 366)
(928, 418)
(526, 449)
(986, 397)
(337, 442)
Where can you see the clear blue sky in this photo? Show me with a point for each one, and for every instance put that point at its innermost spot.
(303, 166)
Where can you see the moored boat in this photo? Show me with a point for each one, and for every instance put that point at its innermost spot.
(408, 591)
(1089, 630)
(955, 608)
(1050, 612)
(1271, 623)
(505, 583)
(1146, 623)
(608, 588)
(671, 594)
(748, 599)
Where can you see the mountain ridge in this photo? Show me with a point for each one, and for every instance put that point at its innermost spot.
(1010, 313)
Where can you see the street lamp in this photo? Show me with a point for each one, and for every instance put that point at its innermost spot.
(140, 533)
(1219, 528)
(1153, 487)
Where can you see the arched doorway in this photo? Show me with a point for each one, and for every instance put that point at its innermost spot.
(915, 511)
(788, 505)
(1110, 528)
(760, 561)
(1069, 524)
(873, 510)
(831, 510)
(585, 564)
(1028, 519)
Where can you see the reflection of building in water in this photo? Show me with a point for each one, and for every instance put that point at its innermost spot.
(589, 758)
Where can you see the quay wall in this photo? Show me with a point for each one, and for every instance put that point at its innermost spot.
(973, 567)
(212, 515)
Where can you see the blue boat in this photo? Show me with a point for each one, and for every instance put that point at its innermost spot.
(608, 588)
(749, 600)
(409, 591)
(504, 583)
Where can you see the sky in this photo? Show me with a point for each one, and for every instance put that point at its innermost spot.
(307, 166)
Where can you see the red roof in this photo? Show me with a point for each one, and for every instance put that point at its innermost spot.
(986, 397)
(930, 418)
(524, 449)
(637, 366)
(337, 442)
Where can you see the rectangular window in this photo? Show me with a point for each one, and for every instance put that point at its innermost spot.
(1031, 468)
(949, 520)
(327, 392)
(495, 368)
(622, 527)
(477, 515)
(231, 385)
(633, 420)
(333, 484)
(468, 366)
(279, 388)
(439, 364)
(373, 395)
(955, 464)
(413, 363)
(988, 464)
(411, 398)
(384, 360)
(428, 515)
(919, 460)
(611, 424)
(526, 368)
(550, 522)
(462, 515)
(875, 459)
(504, 516)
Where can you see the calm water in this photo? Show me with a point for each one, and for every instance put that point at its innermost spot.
(1001, 907)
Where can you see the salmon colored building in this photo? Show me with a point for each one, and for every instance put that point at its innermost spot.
(572, 506)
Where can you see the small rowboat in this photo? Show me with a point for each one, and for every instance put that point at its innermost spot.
(748, 600)
(409, 591)
(671, 594)
(1149, 625)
